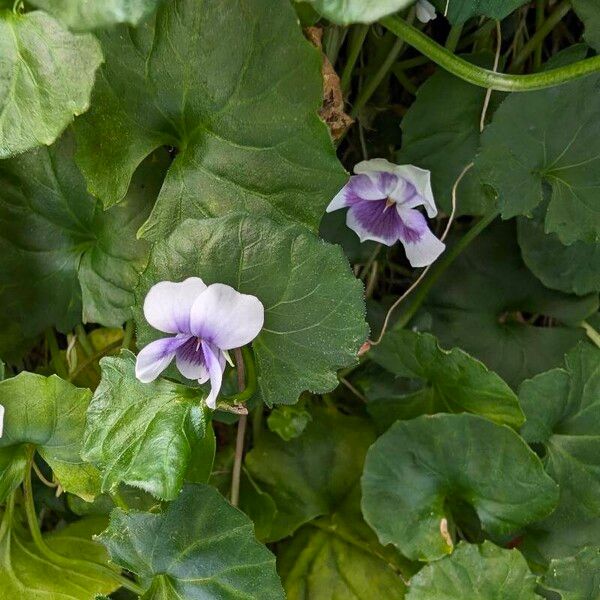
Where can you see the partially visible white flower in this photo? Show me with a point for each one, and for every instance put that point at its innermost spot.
(425, 11)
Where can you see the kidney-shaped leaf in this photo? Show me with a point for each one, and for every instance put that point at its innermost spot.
(199, 547)
(452, 380)
(477, 573)
(48, 414)
(46, 77)
(314, 309)
(419, 468)
(576, 577)
(142, 434)
(235, 87)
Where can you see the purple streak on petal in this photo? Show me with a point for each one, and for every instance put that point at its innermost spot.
(215, 370)
(190, 360)
(372, 221)
(154, 358)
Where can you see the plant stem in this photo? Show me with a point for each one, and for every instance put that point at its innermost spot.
(540, 13)
(241, 433)
(250, 378)
(591, 333)
(537, 39)
(453, 37)
(83, 339)
(57, 361)
(48, 553)
(484, 77)
(357, 38)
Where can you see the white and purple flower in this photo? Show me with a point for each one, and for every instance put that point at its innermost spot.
(382, 198)
(206, 321)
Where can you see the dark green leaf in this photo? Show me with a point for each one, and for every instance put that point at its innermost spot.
(452, 380)
(357, 11)
(48, 414)
(46, 77)
(314, 310)
(199, 547)
(562, 408)
(475, 572)
(143, 434)
(416, 471)
(458, 11)
(589, 12)
(486, 301)
(236, 89)
(576, 577)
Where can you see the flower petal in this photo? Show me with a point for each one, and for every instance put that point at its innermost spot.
(373, 186)
(421, 246)
(215, 369)
(421, 180)
(425, 11)
(154, 358)
(372, 221)
(190, 361)
(226, 318)
(168, 303)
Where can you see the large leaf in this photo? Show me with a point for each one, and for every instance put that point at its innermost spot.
(440, 132)
(89, 14)
(589, 12)
(452, 381)
(569, 269)
(199, 547)
(293, 472)
(142, 434)
(562, 408)
(357, 11)
(59, 246)
(576, 577)
(314, 310)
(418, 470)
(477, 573)
(235, 87)
(523, 150)
(46, 77)
(480, 304)
(48, 415)
(26, 574)
(459, 11)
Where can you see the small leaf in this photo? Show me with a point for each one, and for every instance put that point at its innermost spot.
(46, 77)
(143, 434)
(576, 577)
(477, 573)
(452, 380)
(417, 470)
(288, 422)
(345, 12)
(314, 308)
(48, 414)
(199, 547)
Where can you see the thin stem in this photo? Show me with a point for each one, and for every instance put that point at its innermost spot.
(453, 37)
(83, 340)
(591, 333)
(537, 39)
(357, 38)
(128, 334)
(488, 94)
(41, 477)
(250, 377)
(540, 13)
(57, 361)
(241, 433)
(48, 553)
(484, 77)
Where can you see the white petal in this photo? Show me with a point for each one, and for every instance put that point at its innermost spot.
(425, 11)
(225, 317)
(1, 420)
(374, 165)
(421, 179)
(191, 370)
(424, 251)
(215, 370)
(167, 305)
(154, 358)
(339, 200)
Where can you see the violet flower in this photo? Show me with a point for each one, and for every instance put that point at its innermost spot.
(382, 198)
(206, 320)
(425, 11)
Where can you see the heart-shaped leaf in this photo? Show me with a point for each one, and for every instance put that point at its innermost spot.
(419, 469)
(199, 547)
(47, 414)
(235, 88)
(46, 77)
(143, 434)
(452, 380)
(314, 309)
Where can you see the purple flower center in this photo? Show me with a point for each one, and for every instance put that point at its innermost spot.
(192, 351)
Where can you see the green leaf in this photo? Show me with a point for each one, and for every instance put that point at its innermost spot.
(475, 572)
(440, 132)
(589, 12)
(479, 304)
(83, 15)
(562, 408)
(573, 269)
(46, 77)
(523, 150)
(418, 470)
(576, 577)
(53, 233)
(48, 414)
(235, 88)
(143, 434)
(28, 575)
(314, 308)
(345, 12)
(294, 475)
(458, 11)
(452, 380)
(288, 422)
(199, 547)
